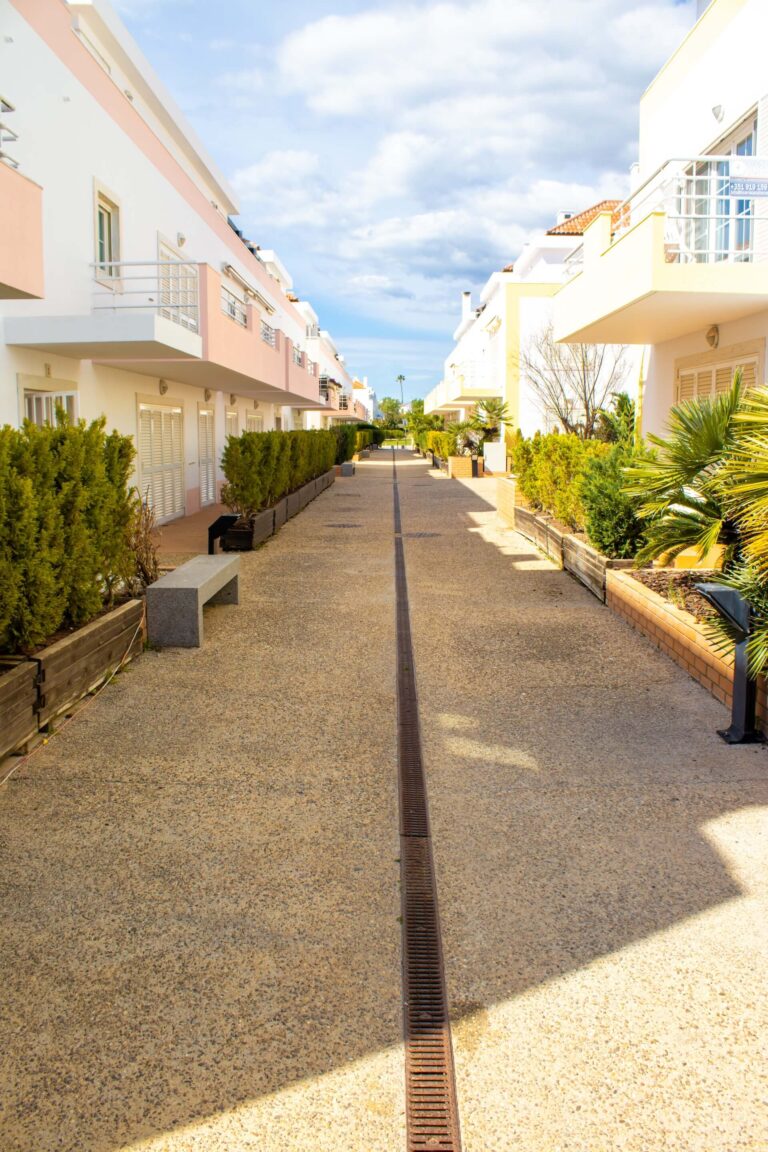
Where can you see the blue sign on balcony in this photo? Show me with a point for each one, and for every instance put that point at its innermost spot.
(747, 189)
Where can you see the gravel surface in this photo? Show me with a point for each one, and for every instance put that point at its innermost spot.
(200, 937)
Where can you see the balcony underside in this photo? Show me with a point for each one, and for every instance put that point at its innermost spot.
(207, 374)
(659, 315)
(97, 336)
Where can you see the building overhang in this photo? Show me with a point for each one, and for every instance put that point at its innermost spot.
(115, 335)
(635, 290)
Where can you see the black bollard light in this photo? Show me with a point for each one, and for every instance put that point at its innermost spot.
(732, 606)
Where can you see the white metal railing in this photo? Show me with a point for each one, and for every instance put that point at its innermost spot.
(311, 367)
(343, 402)
(268, 335)
(298, 357)
(715, 207)
(233, 307)
(169, 288)
(7, 135)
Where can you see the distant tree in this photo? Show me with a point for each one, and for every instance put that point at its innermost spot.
(572, 382)
(391, 411)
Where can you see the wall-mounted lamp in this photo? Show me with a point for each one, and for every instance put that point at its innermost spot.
(163, 387)
(232, 399)
(255, 403)
(718, 112)
(713, 336)
(180, 239)
(207, 394)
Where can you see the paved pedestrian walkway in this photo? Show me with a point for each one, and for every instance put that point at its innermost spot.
(201, 946)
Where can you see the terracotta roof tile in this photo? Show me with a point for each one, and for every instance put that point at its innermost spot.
(577, 224)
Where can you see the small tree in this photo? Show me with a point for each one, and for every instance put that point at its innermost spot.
(488, 418)
(573, 381)
(391, 410)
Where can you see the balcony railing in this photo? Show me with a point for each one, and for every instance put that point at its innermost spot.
(715, 207)
(298, 357)
(343, 403)
(311, 367)
(7, 135)
(233, 307)
(169, 288)
(268, 335)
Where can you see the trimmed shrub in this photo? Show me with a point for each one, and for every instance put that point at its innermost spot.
(549, 470)
(65, 518)
(611, 517)
(262, 467)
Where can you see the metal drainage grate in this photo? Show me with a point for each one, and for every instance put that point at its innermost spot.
(421, 535)
(431, 1105)
(343, 525)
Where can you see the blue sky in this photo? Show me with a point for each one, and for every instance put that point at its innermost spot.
(394, 154)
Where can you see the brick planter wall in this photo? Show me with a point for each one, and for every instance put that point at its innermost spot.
(505, 501)
(679, 636)
(460, 467)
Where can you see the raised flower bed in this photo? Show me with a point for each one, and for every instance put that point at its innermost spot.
(679, 635)
(569, 550)
(38, 688)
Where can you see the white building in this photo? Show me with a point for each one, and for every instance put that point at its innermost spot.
(516, 306)
(682, 268)
(155, 310)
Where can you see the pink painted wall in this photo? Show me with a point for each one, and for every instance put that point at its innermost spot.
(52, 21)
(228, 344)
(300, 383)
(21, 236)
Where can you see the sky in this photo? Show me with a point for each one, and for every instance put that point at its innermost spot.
(396, 154)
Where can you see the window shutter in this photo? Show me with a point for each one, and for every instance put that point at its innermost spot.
(686, 386)
(749, 378)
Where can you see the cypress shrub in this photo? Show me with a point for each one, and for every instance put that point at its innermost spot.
(65, 516)
(262, 467)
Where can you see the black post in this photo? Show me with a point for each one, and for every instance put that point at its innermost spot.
(729, 604)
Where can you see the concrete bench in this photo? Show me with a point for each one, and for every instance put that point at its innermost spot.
(175, 601)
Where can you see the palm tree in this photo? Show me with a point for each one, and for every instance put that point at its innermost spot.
(687, 489)
(489, 416)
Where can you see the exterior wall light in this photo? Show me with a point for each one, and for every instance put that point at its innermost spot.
(207, 394)
(713, 336)
(718, 112)
(163, 387)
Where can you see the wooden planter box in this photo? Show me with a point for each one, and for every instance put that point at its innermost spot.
(247, 537)
(73, 666)
(590, 566)
(680, 637)
(568, 550)
(18, 705)
(293, 507)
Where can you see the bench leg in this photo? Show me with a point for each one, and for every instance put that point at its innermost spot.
(174, 617)
(229, 594)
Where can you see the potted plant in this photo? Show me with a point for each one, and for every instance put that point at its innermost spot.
(464, 461)
(244, 495)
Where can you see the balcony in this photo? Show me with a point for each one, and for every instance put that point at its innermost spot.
(21, 211)
(689, 249)
(138, 311)
(463, 389)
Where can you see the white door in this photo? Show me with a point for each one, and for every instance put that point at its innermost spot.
(206, 456)
(161, 460)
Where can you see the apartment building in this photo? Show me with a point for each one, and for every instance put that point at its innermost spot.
(126, 287)
(681, 270)
(494, 339)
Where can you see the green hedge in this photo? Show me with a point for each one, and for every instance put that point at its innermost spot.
(549, 471)
(65, 516)
(262, 467)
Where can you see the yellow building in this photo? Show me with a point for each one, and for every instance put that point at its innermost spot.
(492, 339)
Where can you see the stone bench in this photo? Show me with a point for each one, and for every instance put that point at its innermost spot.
(175, 601)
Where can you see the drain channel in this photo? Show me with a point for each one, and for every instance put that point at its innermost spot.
(430, 1085)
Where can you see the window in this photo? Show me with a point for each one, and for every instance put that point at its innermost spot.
(254, 422)
(232, 424)
(161, 459)
(107, 238)
(298, 418)
(702, 381)
(42, 407)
